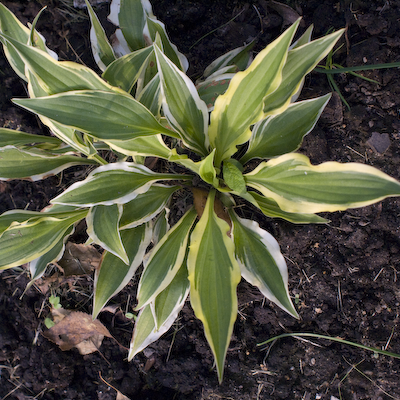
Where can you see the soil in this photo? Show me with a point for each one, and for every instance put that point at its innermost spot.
(343, 276)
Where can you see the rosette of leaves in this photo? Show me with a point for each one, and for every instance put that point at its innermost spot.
(236, 132)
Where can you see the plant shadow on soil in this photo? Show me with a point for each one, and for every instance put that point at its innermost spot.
(343, 276)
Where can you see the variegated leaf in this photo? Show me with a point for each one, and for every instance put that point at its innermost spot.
(103, 229)
(11, 26)
(38, 266)
(11, 137)
(300, 61)
(116, 183)
(102, 50)
(160, 226)
(242, 104)
(66, 134)
(26, 241)
(165, 260)
(146, 205)
(18, 216)
(270, 208)
(299, 187)
(152, 146)
(113, 274)
(157, 317)
(210, 89)
(182, 106)
(130, 16)
(239, 58)
(56, 76)
(113, 116)
(35, 164)
(155, 27)
(207, 170)
(150, 95)
(214, 275)
(283, 133)
(261, 261)
(125, 71)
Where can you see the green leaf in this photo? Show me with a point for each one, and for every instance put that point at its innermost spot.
(182, 106)
(300, 61)
(261, 261)
(102, 50)
(165, 260)
(299, 187)
(26, 241)
(242, 103)
(270, 208)
(113, 274)
(146, 205)
(214, 275)
(157, 317)
(207, 170)
(34, 164)
(125, 71)
(110, 184)
(233, 176)
(102, 228)
(112, 115)
(283, 133)
(18, 138)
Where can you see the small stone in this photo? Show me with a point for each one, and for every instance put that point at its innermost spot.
(379, 142)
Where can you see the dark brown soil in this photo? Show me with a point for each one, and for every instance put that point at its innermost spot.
(344, 277)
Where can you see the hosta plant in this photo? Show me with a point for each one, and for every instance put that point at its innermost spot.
(229, 140)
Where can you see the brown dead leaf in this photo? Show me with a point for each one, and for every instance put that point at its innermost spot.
(288, 14)
(79, 259)
(59, 313)
(77, 329)
(120, 396)
(3, 187)
(45, 283)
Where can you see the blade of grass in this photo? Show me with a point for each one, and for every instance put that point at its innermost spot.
(341, 69)
(335, 87)
(333, 339)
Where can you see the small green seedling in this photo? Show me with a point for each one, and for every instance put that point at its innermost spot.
(55, 302)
